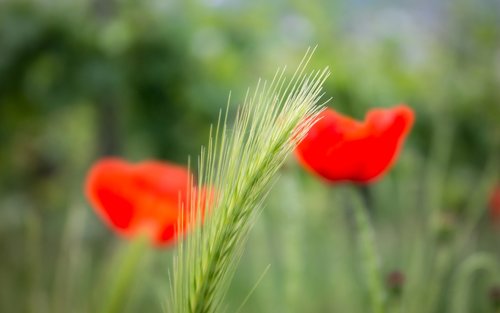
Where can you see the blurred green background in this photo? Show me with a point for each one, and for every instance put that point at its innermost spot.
(145, 79)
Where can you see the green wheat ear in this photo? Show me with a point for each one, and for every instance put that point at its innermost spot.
(240, 165)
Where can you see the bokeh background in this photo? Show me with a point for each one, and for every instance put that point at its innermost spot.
(145, 80)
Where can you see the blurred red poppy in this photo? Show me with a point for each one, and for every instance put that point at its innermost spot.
(495, 204)
(339, 148)
(139, 198)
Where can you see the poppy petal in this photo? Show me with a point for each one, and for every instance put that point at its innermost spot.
(339, 148)
(145, 197)
(106, 188)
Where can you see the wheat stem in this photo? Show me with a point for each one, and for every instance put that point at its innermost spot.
(240, 167)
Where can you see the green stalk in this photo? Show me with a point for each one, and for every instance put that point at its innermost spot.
(370, 260)
(124, 270)
(436, 282)
(37, 294)
(240, 166)
(68, 266)
(293, 216)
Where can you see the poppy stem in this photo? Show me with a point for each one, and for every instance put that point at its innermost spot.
(124, 267)
(370, 260)
(367, 197)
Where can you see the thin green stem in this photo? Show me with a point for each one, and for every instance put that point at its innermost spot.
(367, 196)
(436, 282)
(293, 216)
(37, 296)
(370, 260)
(120, 283)
(394, 305)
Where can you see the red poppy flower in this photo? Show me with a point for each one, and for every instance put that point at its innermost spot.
(139, 198)
(339, 148)
(495, 204)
